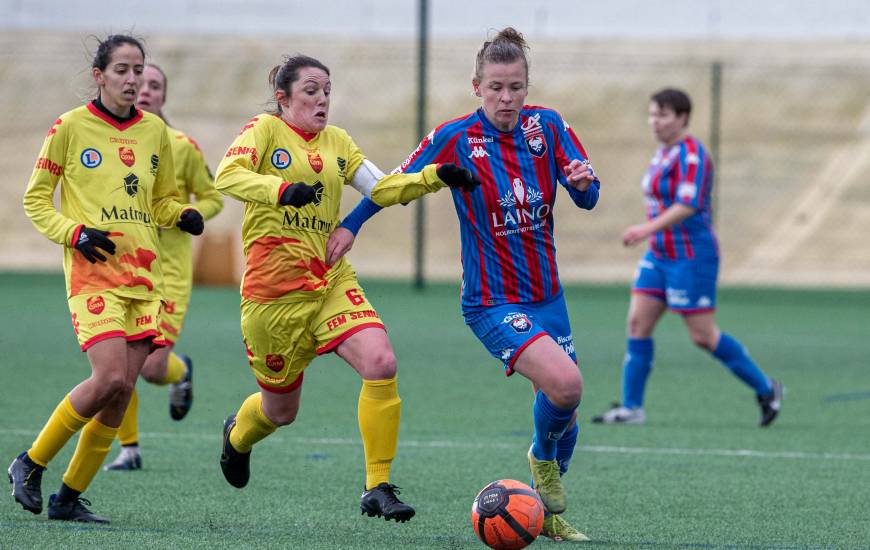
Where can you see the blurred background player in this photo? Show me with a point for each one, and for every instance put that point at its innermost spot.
(680, 268)
(511, 294)
(164, 366)
(118, 185)
(289, 168)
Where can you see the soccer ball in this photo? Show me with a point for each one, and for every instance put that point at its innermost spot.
(507, 514)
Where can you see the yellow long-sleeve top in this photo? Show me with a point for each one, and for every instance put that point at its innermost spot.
(193, 178)
(286, 246)
(117, 177)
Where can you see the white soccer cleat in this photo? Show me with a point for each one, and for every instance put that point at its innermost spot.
(621, 415)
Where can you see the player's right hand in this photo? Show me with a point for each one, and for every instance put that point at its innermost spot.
(90, 240)
(457, 177)
(297, 194)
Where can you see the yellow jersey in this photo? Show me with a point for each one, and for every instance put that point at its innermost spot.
(285, 247)
(116, 177)
(193, 178)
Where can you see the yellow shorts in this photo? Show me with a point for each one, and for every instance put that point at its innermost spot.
(172, 317)
(102, 315)
(282, 339)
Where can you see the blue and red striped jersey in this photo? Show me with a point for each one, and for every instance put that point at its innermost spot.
(506, 224)
(682, 173)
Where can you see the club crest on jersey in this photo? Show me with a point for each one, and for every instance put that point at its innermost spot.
(91, 158)
(534, 134)
(315, 161)
(127, 157)
(281, 158)
(519, 322)
(131, 184)
(96, 304)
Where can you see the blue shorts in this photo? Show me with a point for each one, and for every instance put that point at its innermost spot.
(507, 330)
(686, 286)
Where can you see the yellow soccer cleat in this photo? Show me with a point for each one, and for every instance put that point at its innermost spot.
(556, 528)
(548, 483)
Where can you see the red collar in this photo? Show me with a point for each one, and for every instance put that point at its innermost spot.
(307, 136)
(109, 120)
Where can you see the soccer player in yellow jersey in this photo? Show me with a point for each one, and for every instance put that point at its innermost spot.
(114, 164)
(289, 168)
(163, 365)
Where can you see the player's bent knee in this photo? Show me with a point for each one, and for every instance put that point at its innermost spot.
(566, 394)
(380, 365)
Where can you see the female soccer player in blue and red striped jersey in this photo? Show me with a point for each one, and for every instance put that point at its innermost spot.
(680, 268)
(511, 295)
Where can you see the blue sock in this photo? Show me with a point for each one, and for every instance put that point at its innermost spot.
(565, 448)
(734, 356)
(550, 424)
(635, 370)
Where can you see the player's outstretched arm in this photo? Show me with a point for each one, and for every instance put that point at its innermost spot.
(403, 187)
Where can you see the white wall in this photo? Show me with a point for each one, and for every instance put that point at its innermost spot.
(695, 19)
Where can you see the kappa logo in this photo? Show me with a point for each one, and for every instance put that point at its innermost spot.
(91, 158)
(518, 321)
(281, 158)
(315, 161)
(478, 152)
(131, 184)
(96, 304)
(506, 354)
(127, 156)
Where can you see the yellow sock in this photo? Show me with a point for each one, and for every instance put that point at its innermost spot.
(128, 431)
(251, 424)
(378, 412)
(175, 370)
(63, 423)
(94, 445)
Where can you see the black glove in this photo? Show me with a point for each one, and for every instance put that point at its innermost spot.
(457, 177)
(191, 222)
(298, 194)
(90, 240)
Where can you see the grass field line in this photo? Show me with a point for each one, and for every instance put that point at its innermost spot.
(489, 444)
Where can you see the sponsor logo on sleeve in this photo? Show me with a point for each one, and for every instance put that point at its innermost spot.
(275, 362)
(91, 158)
(127, 156)
(687, 190)
(155, 164)
(54, 168)
(96, 304)
(242, 151)
(281, 158)
(342, 166)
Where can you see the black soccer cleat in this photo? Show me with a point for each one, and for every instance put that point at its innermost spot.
(181, 393)
(26, 479)
(72, 510)
(770, 404)
(382, 501)
(236, 466)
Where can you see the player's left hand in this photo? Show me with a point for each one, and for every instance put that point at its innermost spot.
(338, 244)
(191, 222)
(635, 234)
(580, 174)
